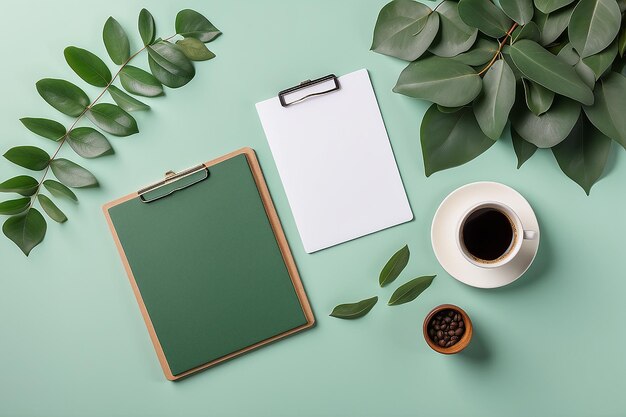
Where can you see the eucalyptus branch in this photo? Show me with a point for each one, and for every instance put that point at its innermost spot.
(500, 46)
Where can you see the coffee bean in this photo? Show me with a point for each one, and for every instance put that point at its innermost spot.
(448, 344)
(459, 331)
(446, 338)
(461, 323)
(453, 325)
(442, 343)
(456, 317)
(440, 334)
(447, 319)
(436, 327)
(454, 338)
(451, 332)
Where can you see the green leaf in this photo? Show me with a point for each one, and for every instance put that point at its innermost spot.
(125, 101)
(112, 119)
(568, 55)
(506, 55)
(609, 108)
(354, 310)
(519, 10)
(169, 64)
(445, 109)
(539, 65)
(523, 149)
(409, 291)
(140, 82)
(599, 63)
(17, 206)
(552, 25)
(88, 142)
(26, 230)
(622, 39)
(479, 54)
(440, 80)
(450, 139)
(71, 174)
(146, 27)
(493, 106)
(528, 31)
(551, 127)
(583, 154)
(548, 6)
(63, 96)
(485, 16)
(538, 98)
(87, 66)
(116, 41)
(593, 26)
(51, 209)
(192, 24)
(46, 128)
(195, 49)
(29, 157)
(454, 36)
(22, 184)
(59, 190)
(394, 266)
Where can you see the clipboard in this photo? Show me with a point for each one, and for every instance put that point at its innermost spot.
(334, 158)
(209, 264)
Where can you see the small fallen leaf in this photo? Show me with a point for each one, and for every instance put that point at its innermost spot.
(409, 291)
(354, 310)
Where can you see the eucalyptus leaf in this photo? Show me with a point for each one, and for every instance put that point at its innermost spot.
(169, 64)
(87, 66)
(195, 49)
(354, 310)
(59, 190)
(51, 209)
(551, 127)
(552, 25)
(538, 98)
(46, 128)
(139, 82)
(599, 63)
(404, 29)
(30, 157)
(22, 184)
(445, 109)
(88, 142)
(17, 206)
(26, 230)
(583, 154)
(622, 39)
(523, 149)
(585, 73)
(528, 31)
(548, 6)
(146, 27)
(519, 10)
(480, 53)
(450, 139)
(440, 80)
(192, 24)
(454, 36)
(116, 41)
(72, 174)
(411, 290)
(485, 16)
(540, 66)
(493, 105)
(593, 26)
(568, 55)
(609, 108)
(112, 119)
(394, 266)
(125, 101)
(63, 96)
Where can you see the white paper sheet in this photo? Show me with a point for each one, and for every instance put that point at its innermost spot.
(336, 164)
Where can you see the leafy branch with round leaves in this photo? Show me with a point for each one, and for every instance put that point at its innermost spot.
(171, 65)
(554, 68)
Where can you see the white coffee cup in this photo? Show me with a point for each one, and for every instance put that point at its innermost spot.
(518, 235)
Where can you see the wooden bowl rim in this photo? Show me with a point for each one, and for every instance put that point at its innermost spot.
(461, 344)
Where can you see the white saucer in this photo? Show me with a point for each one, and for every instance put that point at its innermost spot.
(443, 234)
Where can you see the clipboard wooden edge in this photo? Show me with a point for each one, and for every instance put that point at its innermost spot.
(283, 245)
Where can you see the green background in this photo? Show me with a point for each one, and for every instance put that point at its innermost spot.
(73, 342)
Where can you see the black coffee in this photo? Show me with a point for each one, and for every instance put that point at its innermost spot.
(487, 234)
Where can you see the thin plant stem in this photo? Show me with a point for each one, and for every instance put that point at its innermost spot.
(500, 46)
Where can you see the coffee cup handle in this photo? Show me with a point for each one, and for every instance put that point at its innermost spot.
(530, 234)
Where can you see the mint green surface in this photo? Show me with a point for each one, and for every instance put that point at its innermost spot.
(208, 267)
(74, 344)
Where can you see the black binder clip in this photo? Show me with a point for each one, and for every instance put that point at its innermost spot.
(183, 179)
(331, 80)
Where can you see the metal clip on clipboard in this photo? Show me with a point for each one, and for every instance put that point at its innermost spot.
(324, 85)
(187, 178)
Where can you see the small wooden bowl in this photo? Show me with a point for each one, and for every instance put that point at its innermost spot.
(462, 343)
